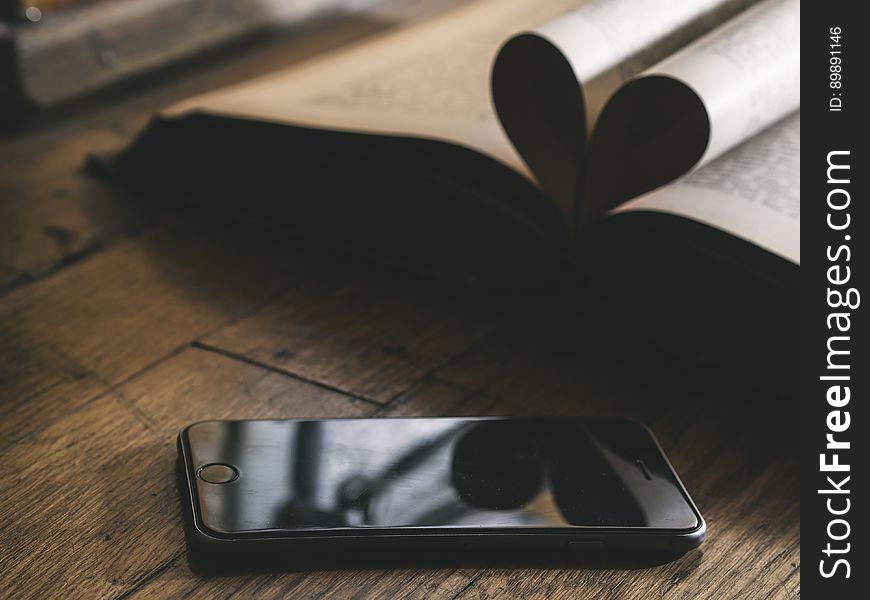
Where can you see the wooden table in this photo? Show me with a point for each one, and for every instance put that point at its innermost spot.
(121, 321)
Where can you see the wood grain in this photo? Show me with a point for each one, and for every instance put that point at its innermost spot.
(370, 336)
(95, 492)
(51, 214)
(59, 391)
(32, 376)
(197, 385)
(92, 505)
(105, 318)
(108, 313)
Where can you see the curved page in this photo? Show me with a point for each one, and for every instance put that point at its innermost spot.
(549, 84)
(697, 104)
(752, 192)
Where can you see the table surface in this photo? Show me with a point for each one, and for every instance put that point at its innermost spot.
(122, 320)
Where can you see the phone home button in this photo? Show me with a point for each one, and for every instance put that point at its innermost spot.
(218, 473)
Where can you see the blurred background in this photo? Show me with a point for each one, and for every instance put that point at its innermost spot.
(55, 51)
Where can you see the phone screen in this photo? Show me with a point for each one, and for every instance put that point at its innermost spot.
(456, 473)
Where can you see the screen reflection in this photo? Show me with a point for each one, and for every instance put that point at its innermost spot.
(440, 472)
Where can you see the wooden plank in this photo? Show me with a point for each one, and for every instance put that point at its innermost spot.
(90, 504)
(434, 398)
(118, 312)
(51, 212)
(413, 584)
(57, 389)
(108, 515)
(100, 321)
(27, 370)
(422, 584)
(198, 385)
(372, 336)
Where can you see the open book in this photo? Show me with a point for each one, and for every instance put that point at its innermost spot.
(649, 147)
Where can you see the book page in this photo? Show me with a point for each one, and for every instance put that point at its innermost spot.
(747, 73)
(550, 84)
(695, 105)
(752, 192)
(429, 80)
(607, 42)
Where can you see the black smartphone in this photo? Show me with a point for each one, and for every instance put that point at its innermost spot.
(306, 488)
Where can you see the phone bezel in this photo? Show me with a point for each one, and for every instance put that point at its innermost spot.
(613, 538)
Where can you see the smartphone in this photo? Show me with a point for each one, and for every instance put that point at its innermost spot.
(520, 486)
